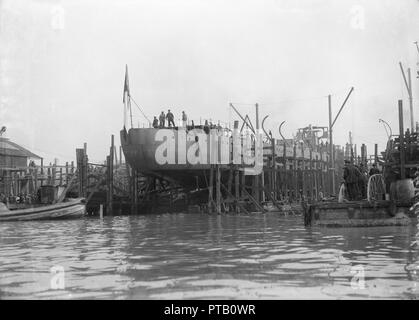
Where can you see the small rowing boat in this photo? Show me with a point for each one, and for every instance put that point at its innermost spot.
(69, 208)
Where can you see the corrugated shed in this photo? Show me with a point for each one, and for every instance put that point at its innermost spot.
(9, 148)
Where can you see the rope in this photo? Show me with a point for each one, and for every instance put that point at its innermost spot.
(140, 109)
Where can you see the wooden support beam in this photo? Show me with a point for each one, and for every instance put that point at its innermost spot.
(211, 189)
(295, 176)
(218, 188)
(269, 193)
(237, 201)
(285, 177)
(253, 200)
(111, 162)
(42, 170)
(303, 174)
(66, 173)
(274, 173)
(230, 181)
(310, 176)
(64, 193)
(401, 137)
(134, 189)
(237, 189)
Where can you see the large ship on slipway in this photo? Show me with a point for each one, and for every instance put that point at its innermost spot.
(144, 147)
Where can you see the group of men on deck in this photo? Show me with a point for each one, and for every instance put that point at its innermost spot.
(356, 179)
(160, 122)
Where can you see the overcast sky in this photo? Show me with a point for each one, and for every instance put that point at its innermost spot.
(62, 66)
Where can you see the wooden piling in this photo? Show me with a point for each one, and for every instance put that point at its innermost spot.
(210, 190)
(42, 171)
(401, 139)
(237, 189)
(101, 211)
(303, 173)
(230, 182)
(295, 174)
(110, 186)
(218, 187)
(66, 173)
(284, 172)
(273, 173)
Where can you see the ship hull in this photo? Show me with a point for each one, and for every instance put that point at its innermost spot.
(143, 152)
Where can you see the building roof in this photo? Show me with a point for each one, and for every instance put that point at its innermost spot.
(9, 148)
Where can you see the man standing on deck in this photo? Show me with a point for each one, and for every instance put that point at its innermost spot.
(184, 119)
(170, 118)
(162, 118)
(351, 175)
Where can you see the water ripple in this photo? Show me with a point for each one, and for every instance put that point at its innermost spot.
(185, 256)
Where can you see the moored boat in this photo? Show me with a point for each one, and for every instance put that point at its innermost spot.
(69, 208)
(358, 213)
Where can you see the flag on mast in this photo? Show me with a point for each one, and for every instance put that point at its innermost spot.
(126, 85)
(126, 95)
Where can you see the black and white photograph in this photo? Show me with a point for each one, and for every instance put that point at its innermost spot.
(222, 151)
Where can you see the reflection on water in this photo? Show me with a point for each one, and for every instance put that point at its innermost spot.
(188, 256)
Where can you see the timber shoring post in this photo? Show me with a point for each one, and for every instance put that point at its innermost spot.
(218, 187)
(273, 173)
(238, 204)
(295, 177)
(243, 183)
(256, 190)
(284, 173)
(111, 158)
(310, 177)
(255, 202)
(211, 189)
(66, 173)
(237, 188)
(54, 172)
(80, 170)
(42, 171)
(316, 179)
(230, 182)
(401, 139)
(85, 164)
(108, 178)
(134, 190)
(35, 180)
(332, 164)
(303, 173)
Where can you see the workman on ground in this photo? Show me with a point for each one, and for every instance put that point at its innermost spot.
(374, 170)
(351, 176)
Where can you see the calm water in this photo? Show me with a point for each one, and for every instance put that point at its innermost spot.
(189, 256)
